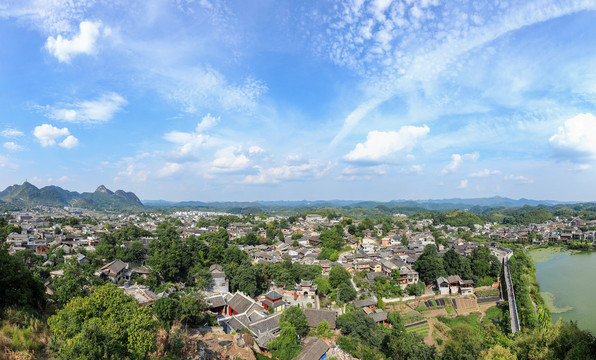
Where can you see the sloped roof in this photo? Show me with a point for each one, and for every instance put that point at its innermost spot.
(314, 349)
(314, 317)
(365, 302)
(240, 302)
(379, 316)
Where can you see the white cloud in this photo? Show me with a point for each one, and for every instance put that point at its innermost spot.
(274, 175)
(255, 150)
(12, 146)
(82, 43)
(70, 142)
(457, 160)
(48, 134)
(11, 133)
(380, 144)
(485, 173)
(230, 159)
(207, 123)
(94, 111)
(169, 168)
(575, 139)
(519, 178)
(463, 184)
(63, 178)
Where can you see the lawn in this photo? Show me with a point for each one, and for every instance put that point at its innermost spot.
(471, 319)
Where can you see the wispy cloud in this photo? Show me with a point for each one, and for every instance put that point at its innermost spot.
(12, 146)
(274, 175)
(99, 110)
(11, 133)
(485, 173)
(519, 178)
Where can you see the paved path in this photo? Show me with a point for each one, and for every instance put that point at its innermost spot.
(515, 327)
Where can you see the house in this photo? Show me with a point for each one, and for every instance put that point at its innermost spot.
(306, 288)
(217, 304)
(314, 349)
(314, 317)
(242, 304)
(142, 294)
(274, 301)
(114, 271)
(466, 287)
(442, 286)
(219, 283)
(454, 282)
(380, 317)
(369, 303)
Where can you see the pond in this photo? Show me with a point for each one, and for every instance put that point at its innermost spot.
(567, 283)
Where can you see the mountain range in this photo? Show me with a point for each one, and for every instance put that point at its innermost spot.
(28, 195)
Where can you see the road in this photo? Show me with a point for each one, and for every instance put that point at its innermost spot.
(511, 296)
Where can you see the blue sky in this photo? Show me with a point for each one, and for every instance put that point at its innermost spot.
(289, 100)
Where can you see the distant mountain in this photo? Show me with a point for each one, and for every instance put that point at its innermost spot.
(27, 195)
(394, 205)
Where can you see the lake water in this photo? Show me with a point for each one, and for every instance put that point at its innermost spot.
(570, 280)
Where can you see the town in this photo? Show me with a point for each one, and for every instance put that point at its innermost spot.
(287, 286)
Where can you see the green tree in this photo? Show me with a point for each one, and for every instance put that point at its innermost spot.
(323, 329)
(106, 322)
(339, 275)
(286, 346)
(346, 292)
(429, 265)
(331, 239)
(18, 285)
(295, 316)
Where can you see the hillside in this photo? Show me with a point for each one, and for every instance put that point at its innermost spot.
(28, 195)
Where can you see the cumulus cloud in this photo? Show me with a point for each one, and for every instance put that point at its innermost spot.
(457, 160)
(230, 159)
(519, 178)
(11, 133)
(207, 123)
(12, 146)
(575, 139)
(380, 144)
(99, 110)
(48, 134)
(70, 142)
(485, 173)
(82, 43)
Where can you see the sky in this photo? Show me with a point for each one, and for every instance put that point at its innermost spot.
(300, 100)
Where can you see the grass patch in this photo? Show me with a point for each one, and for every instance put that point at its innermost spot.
(449, 309)
(409, 319)
(487, 292)
(471, 320)
(549, 301)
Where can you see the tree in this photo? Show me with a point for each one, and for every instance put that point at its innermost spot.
(286, 346)
(429, 265)
(166, 310)
(295, 316)
(106, 322)
(72, 283)
(191, 310)
(338, 275)
(331, 239)
(18, 286)
(346, 292)
(323, 329)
